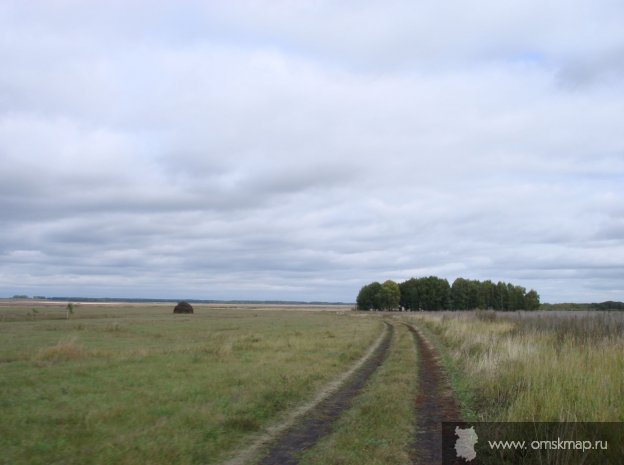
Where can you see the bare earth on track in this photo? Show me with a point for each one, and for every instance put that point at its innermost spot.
(434, 404)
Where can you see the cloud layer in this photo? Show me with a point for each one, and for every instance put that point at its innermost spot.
(275, 151)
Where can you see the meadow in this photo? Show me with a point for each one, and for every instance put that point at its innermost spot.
(533, 366)
(135, 384)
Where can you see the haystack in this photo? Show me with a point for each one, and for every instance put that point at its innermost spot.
(183, 307)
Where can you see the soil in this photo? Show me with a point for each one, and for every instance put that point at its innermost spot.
(318, 421)
(434, 404)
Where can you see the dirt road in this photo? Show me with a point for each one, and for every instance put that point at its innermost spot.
(434, 404)
(318, 422)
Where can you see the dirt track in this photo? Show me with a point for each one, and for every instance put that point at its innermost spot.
(318, 422)
(434, 404)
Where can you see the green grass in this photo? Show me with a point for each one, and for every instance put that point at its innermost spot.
(139, 385)
(379, 428)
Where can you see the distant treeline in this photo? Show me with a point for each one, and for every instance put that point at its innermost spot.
(433, 293)
(608, 305)
(195, 301)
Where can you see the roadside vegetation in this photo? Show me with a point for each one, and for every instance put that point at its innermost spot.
(533, 366)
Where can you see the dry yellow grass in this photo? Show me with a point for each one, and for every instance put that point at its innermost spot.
(517, 369)
(68, 349)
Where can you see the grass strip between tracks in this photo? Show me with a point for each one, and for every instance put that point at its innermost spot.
(379, 427)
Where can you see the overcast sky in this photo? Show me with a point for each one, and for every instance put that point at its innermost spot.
(298, 150)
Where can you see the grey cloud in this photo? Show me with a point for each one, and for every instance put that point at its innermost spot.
(605, 67)
(213, 150)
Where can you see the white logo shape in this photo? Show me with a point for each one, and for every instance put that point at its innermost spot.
(466, 440)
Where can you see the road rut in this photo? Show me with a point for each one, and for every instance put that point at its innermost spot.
(434, 404)
(318, 422)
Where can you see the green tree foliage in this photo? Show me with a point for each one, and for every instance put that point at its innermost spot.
(459, 294)
(70, 309)
(486, 294)
(409, 294)
(608, 305)
(532, 300)
(469, 294)
(429, 293)
(375, 296)
(390, 295)
(369, 297)
(433, 293)
(516, 297)
(501, 297)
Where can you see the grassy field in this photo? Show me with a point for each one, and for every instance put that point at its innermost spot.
(136, 384)
(537, 366)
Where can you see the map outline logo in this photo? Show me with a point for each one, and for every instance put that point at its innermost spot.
(466, 440)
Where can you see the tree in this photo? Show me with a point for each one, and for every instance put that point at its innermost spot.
(409, 294)
(370, 297)
(433, 293)
(364, 300)
(486, 295)
(502, 299)
(459, 294)
(376, 295)
(516, 297)
(390, 297)
(70, 309)
(532, 300)
(473, 294)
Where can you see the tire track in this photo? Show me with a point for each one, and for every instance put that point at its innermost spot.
(307, 424)
(318, 422)
(434, 404)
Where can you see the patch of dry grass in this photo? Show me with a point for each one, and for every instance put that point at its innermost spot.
(65, 350)
(522, 367)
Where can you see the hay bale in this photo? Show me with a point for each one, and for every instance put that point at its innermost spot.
(183, 307)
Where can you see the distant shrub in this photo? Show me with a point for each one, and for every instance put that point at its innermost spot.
(69, 309)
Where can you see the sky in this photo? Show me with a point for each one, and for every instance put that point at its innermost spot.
(299, 150)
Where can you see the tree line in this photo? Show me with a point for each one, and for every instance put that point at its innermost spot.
(608, 305)
(433, 293)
